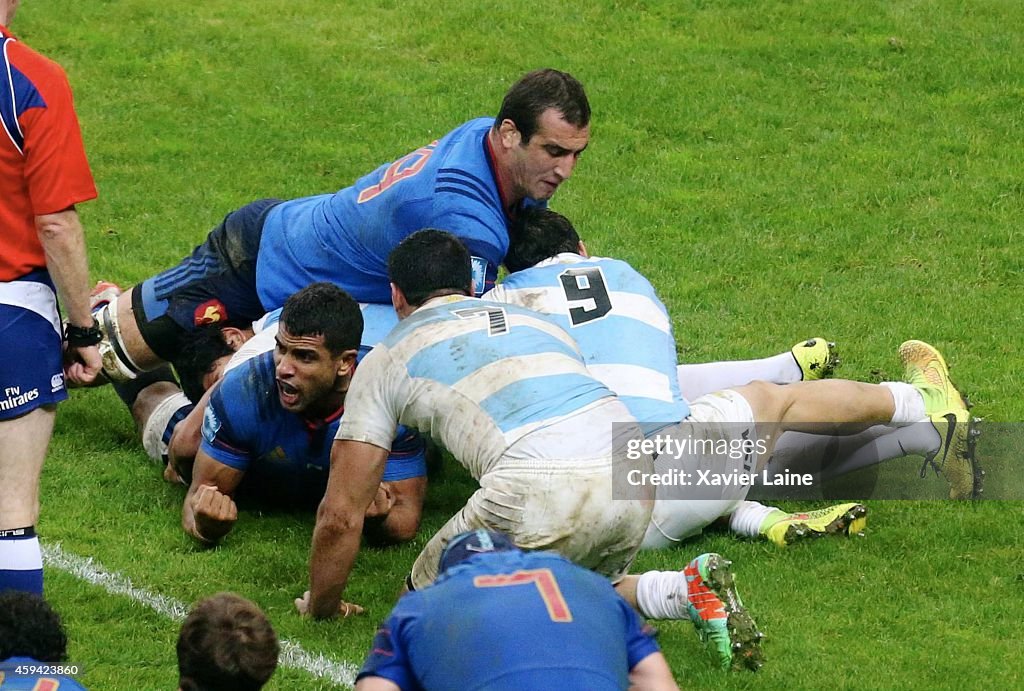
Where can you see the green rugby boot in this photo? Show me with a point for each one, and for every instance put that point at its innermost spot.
(718, 614)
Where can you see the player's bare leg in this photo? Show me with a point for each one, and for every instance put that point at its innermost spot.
(123, 350)
(24, 441)
(834, 406)
(131, 339)
(151, 398)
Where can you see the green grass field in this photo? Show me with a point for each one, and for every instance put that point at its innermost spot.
(778, 169)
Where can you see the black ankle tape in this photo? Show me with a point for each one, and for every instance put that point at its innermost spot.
(18, 533)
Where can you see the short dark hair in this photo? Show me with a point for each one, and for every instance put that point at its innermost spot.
(205, 346)
(539, 90)
(226, 642)
(324, 309)
(537, 234)
(430, 262)
(30, 628)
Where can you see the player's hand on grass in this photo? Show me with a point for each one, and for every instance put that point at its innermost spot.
(215, 513)
(345, 609)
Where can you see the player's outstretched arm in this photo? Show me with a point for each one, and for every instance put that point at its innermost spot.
(208, 512)
(376, 684)
(652, 674)
(356, 470)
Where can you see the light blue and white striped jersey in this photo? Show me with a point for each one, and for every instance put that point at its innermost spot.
(620, 324)
(477, 376)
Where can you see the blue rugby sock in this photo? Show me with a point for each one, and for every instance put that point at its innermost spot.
(21, 561)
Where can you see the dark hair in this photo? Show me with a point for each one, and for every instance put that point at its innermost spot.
(430, 262)
(226, 643)
(30, 628)
(539, 90)
(204, 347)
(536, 234)
(324, 309)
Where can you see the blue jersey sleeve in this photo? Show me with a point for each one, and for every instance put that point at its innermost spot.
(408, 457)
(485, 238)
(223, 436)
(389, 658)
(639, 636)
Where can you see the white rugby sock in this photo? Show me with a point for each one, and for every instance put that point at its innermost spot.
(157, 430)
(908, 401)
(747, 519)
(662, 595)
(21, 561)
(699, 379)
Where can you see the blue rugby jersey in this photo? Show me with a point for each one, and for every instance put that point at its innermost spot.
(346, 237)
(622, 328)
(476, 375)
(245, 427)
(511, 620)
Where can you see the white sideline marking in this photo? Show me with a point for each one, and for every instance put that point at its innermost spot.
(292, 654)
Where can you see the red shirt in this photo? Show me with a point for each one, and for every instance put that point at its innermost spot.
(43, 168)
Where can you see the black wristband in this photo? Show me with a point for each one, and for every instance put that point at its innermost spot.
(83, 336)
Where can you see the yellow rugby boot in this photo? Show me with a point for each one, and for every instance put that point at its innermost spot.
(816, 357)
(947, 409)
(842, 519)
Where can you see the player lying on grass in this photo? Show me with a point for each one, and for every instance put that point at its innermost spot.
(625, 335)
(509, 395)
(271, 421)
(168, 422)
(518, 620)
(471, 182)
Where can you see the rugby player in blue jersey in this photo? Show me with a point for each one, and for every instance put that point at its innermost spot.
(272, 419)
(500, 618)
(471, 182)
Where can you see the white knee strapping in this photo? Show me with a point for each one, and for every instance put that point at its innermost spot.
(117, 365)
(156, 425)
